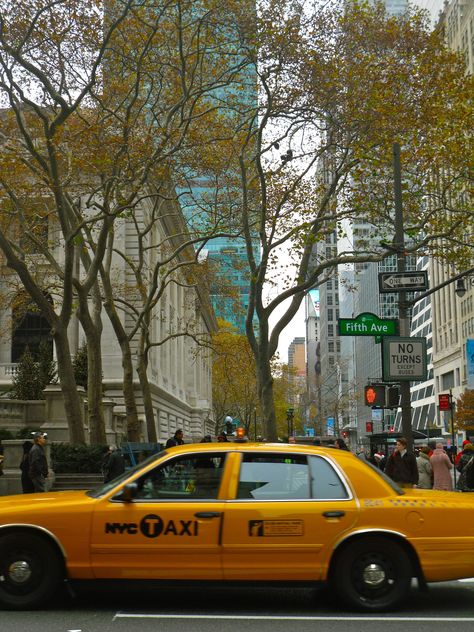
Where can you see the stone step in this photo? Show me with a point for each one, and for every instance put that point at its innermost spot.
(77, 481)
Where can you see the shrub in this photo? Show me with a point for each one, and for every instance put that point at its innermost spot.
(5, 434)
(73, 459)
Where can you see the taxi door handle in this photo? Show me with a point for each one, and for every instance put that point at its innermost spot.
(334, 514)
(207, 514)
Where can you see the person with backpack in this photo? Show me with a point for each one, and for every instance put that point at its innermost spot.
(465, 467)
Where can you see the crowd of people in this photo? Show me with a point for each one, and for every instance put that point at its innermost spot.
(428, 467)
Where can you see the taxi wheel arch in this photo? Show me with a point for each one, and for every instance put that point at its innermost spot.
(31, 568)
(373, 572)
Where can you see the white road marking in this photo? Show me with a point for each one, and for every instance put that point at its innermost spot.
(229, 617)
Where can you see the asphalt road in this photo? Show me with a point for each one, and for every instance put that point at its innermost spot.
(445, 607)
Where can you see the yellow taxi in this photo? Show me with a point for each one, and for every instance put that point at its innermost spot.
(240, 512)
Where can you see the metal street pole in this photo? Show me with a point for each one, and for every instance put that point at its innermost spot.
(399, 243)
(451, 406)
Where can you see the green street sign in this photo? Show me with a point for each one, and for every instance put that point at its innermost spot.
(367, 324)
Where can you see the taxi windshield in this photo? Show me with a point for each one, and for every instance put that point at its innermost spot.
(97, 492)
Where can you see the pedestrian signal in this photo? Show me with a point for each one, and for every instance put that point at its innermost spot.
(375, 395)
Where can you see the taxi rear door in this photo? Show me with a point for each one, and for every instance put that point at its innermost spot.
(288, 511)
(171, 528)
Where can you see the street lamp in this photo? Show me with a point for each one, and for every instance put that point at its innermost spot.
(460, 287)
(229, 425)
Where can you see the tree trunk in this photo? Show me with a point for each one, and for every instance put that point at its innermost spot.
(147, 400)
(73, 403)
(93, 330)
(133, 423)
(94, 391)
(265, 394)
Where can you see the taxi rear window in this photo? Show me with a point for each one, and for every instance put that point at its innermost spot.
(288, 477)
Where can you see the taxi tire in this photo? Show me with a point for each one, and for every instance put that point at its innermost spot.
(372, 553)
(42, 559)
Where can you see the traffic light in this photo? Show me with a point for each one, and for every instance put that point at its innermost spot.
(375, 395)
(382, 396)
(393, 397)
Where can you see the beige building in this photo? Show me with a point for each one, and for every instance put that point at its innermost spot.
(453, 316)
(179, 370)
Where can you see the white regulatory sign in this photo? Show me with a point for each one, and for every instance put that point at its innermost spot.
(404, 359)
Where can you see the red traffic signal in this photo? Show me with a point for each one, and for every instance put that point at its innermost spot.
(444, 400)
(375, 395)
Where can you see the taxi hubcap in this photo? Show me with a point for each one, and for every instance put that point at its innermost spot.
(373, 575)
(19, 572)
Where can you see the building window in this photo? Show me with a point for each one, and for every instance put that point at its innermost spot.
(30, 329)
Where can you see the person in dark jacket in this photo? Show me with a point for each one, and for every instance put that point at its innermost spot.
(26, 482)
(176, 439)
(115, 464)
(466, 455)
(37, 463)
(401, 465)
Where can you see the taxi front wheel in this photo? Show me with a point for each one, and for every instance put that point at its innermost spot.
(373, 574)
(30, 571)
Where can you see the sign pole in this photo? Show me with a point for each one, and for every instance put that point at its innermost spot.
(451, 413)
(399, 242)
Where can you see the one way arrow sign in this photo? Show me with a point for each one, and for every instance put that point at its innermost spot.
(403, 281)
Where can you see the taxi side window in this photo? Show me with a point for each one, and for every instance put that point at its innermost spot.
(182, 478)
(325, 482)
(274, 477)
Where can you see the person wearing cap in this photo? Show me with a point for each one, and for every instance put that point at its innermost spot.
(176, 439)
(37, 463)
(222, 438)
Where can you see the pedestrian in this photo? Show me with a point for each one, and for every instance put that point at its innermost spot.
(442, 467)
(37, 462)
(460, 453)
(465, 457)
(401, 465)
(176, 439)
(105, 460)
(206, 439)
(425, 471)
(222, 438)
(115, 465)
(360, 452)
(26, 482)
(341, 444)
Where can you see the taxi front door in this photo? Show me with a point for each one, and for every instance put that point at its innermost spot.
(277, 528)
(169, 531)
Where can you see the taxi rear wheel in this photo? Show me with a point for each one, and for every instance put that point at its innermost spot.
(373, 574)
(30, 571)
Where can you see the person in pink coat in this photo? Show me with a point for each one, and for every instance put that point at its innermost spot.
(442, 467)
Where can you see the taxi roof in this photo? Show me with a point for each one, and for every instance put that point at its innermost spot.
(232, 446)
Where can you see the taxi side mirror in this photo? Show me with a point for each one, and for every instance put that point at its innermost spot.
(128, 493)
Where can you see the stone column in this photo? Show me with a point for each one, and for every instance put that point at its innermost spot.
(56, 420)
